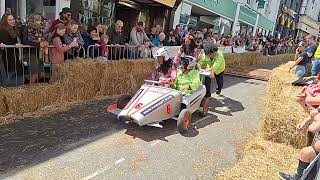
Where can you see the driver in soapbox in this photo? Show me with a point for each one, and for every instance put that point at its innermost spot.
(166, 71)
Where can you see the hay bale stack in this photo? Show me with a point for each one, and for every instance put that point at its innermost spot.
(125, 76)
(282, 112)
(80, 78)
(31, 98)
(244, 59)
(116, 78)
(262, 160)
(282, 58)
(3, 107)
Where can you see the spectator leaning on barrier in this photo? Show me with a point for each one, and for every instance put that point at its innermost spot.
(116, 36)
(65, 18)
(137, 38)
(9, 35)
(171, 41)
(57, 53)
(146, 50)
(72, 34)
(90, 38)
(103, 49)
(212, 60)
(33, 35)
(153, 33)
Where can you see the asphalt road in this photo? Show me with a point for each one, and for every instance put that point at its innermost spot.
(85, 142)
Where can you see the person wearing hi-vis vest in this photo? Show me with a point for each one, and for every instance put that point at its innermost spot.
(212, 60)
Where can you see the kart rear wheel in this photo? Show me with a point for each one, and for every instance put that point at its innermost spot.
(204, 106)
(123, 101)
(184, 121)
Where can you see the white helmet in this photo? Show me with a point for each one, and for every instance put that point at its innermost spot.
(162, 52)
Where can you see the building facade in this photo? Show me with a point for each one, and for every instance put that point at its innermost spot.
(229, 16)
(309, 18)
(21, 8)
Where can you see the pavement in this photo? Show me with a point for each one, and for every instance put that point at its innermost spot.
(85, 142)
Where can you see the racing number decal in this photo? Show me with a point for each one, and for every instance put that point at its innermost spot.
(168, 109)
(138, 106)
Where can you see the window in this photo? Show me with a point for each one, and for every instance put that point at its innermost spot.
(45, 7)
(248, 1)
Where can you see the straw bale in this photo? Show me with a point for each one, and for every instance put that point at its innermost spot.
(282, 111)
(262, 160)
(3, 107)
(31, 98)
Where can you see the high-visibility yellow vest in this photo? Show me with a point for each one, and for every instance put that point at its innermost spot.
(317, 54)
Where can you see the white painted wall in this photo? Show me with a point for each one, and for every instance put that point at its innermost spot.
(61, 4)
(2, 7)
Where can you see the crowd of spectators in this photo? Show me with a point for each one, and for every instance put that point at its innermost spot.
(71, 40)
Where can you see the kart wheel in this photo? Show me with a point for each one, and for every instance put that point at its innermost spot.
(204, 106)
(123, 101)
(184, 121)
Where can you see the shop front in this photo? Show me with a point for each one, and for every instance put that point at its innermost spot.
(22, 8)
(307, 26)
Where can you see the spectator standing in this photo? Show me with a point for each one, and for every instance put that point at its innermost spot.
(65, 18)
(158, 29)
(33, 35)
(146, 50)
(90, 39)
(159, 41)
(153, 33)
(171, 41)
(117, 37)
(70, 36)
(137, 38)
(227, 41)
(99, 28)
(103, 49)
(57, 53)
(210, 40)
(9, 35)
(188, 49)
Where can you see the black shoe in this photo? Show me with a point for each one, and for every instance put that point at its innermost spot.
(285, 176)
(218, 92)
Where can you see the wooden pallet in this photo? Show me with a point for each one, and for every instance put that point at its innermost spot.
(247, 72)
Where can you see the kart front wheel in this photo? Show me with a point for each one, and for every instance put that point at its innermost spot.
(123, 101)
(184, 121)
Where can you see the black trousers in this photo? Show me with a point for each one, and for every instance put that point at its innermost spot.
(207, 83)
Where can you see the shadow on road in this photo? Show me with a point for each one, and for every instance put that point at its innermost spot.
(34, 140)
(225, 106)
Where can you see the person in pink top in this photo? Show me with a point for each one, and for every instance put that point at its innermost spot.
(189, 48)
(57, 53)
(166, 72)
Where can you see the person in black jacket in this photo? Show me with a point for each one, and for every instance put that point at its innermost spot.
(117, 37)
(9, 57)
(90, 39)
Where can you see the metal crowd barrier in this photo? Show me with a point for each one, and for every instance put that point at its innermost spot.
(117, 52)
(28, 64)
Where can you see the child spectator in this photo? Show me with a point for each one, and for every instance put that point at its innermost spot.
(103, 49)
(71, 34)
(146, 51)
(57, 53)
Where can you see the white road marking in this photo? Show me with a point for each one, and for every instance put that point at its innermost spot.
(119, 161)
(155, 143)
(100, 171)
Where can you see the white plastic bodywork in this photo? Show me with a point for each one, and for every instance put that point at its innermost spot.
(152, 104)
